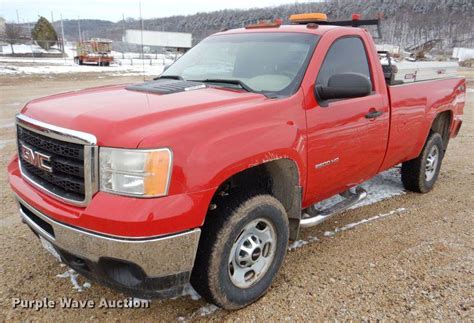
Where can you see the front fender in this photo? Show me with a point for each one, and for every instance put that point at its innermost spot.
(240, 151)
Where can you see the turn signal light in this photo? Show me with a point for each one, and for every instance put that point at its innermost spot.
(157, 164)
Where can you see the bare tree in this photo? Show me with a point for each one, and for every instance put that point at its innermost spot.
(13, 33)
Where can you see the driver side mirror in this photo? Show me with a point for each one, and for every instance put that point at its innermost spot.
(343, 86)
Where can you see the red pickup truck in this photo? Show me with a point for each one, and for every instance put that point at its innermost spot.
(204, 174)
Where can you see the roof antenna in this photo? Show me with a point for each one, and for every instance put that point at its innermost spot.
(141, 35)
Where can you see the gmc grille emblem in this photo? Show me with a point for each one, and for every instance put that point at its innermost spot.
(36, 158)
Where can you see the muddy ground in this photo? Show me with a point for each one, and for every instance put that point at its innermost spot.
(414, 263)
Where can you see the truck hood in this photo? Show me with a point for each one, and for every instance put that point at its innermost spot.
(122, 118)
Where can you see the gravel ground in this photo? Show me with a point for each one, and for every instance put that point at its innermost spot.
(413, 262)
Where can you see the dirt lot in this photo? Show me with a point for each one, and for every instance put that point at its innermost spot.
(414, 263)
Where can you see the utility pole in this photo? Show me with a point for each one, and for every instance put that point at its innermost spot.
(143, 55)
(79, 26)
(31, 46)
(52, 18)
(123, 36)
(17, 17)
(62, 37)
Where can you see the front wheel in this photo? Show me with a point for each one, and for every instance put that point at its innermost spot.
(242, 247)
(420, 174)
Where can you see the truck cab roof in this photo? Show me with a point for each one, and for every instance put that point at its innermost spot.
(308, 29)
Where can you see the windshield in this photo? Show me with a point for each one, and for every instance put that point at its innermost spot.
(269, 63)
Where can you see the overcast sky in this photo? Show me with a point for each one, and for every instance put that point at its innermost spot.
(28, 10)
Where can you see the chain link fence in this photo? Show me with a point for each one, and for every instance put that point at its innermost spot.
(123, 53)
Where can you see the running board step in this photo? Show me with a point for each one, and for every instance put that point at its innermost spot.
(350, 199)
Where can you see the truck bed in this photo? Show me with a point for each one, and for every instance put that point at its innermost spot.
(413, 108)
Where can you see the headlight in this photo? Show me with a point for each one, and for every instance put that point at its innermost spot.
(135, 172)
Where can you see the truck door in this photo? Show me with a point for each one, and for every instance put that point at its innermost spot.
(347, 138)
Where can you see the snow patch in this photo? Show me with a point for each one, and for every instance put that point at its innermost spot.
(383, 186)
(72, 275)
(206, 310)
(364, 221)
(51, 66)
(191, 292)
(202, 311)
(300, 243)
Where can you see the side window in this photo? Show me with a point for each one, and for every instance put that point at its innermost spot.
(346, 55)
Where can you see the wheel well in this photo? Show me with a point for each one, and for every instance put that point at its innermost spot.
(280, 178)
(441, 125)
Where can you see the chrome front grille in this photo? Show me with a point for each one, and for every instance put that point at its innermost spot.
(59, 161)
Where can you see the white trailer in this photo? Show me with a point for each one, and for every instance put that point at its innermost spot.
(463, 54)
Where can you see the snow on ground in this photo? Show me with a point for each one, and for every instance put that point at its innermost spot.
(383, 186)
(130, 65)
(191, 292)
(204, 310)
(37, 66)
(300, 243)
(364, 221)
(201, 312)
(27, 49)
(72, 275)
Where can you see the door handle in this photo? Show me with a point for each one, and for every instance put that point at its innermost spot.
(373, 114)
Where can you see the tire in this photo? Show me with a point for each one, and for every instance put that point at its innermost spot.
(420, 174)
(80, 62)
(224, 271)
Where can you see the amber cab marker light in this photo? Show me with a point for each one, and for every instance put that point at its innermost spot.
(310, 17)
(266, 24)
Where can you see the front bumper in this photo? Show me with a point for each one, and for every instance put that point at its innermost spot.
(145, 267)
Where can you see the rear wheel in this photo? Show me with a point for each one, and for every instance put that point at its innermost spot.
(420, 174)
(241, 249)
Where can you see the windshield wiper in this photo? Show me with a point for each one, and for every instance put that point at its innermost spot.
(171, 77)
(228, 81)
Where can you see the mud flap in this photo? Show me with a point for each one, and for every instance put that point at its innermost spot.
(294, 214)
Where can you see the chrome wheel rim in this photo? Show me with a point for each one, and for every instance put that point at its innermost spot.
(252, 253)
(431, 163)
